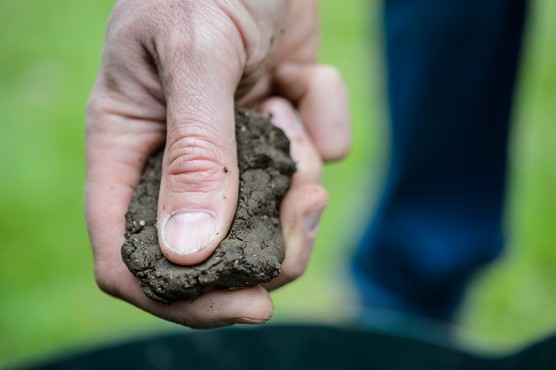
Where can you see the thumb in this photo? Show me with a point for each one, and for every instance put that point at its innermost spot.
(199, 185)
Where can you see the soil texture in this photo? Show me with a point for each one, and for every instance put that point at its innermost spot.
(252, 251)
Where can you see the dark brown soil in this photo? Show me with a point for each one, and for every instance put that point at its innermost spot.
(253, 250)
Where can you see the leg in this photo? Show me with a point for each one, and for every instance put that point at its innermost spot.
(451, 72)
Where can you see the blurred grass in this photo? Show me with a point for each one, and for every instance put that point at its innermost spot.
(48, 298)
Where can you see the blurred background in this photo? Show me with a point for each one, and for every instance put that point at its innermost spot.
(49, 302)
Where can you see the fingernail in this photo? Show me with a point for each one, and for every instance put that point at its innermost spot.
(188, 232)
(311, 220)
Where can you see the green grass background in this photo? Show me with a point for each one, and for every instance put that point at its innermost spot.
(49, 302)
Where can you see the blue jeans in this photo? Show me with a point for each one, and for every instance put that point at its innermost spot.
(451, 68)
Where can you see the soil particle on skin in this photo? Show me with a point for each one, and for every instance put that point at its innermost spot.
(253, 250)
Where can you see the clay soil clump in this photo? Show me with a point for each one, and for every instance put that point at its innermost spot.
(252, 251)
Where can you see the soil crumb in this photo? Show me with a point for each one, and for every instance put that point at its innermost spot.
(252, 251)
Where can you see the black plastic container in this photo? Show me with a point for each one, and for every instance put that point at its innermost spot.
(291, 347)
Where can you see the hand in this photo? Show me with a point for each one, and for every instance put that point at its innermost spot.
(171, 73)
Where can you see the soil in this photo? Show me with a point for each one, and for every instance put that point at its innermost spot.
(253, 250)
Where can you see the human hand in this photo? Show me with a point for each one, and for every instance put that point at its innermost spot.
(171, 73)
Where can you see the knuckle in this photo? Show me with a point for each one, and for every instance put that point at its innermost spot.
(329, 78)
(99, 115)
(100, 105)
(317, 167)
(94, 107)
(329, 75)
(193, 165)
(310, 167)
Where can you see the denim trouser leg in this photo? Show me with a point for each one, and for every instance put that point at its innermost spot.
(451, 71)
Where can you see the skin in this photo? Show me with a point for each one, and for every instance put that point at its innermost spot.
(171, 74)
